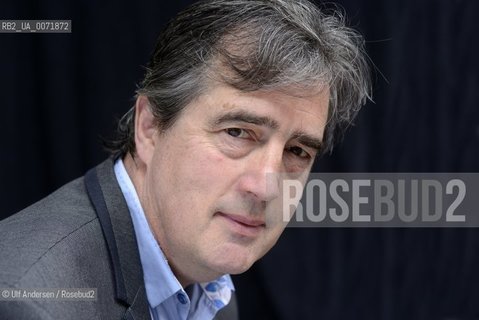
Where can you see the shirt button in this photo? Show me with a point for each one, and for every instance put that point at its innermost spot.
(181, 298)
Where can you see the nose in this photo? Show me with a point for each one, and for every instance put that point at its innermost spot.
(261, 177)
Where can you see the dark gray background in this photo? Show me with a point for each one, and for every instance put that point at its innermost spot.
(60, 92)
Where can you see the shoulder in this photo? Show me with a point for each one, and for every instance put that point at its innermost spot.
(58, 243)
(63, 219)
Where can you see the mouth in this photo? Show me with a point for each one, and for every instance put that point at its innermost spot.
(243, 225)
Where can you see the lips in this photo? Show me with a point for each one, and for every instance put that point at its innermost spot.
(243, 225)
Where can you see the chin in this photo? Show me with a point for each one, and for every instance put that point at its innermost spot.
(234, 261)
(235, 268)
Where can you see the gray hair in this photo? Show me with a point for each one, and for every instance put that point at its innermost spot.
(252, 45)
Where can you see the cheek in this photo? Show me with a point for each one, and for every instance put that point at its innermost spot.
(210, 169)
(209, 156)
(216, 158)
(198, 175)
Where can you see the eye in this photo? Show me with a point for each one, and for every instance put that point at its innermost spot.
(237, 133)
(299, 152)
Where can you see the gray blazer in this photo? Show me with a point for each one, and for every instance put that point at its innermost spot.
(80, 236)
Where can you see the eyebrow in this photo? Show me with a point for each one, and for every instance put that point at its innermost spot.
(309, 141)
(248, 117)
(244, 116)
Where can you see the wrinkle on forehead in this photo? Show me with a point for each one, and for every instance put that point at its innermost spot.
(313, 96)
(312, 103)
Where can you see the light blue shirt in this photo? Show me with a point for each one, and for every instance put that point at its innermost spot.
(166, 296)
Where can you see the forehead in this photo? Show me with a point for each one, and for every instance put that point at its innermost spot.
(300, 93)
(287, 101)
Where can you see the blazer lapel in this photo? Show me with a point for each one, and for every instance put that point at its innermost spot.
(114, 217)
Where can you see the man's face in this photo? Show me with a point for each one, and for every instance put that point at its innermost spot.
(211, 188)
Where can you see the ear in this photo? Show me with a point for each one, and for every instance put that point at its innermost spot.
(145, 130)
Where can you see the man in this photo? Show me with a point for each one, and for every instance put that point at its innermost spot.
(237, 95)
